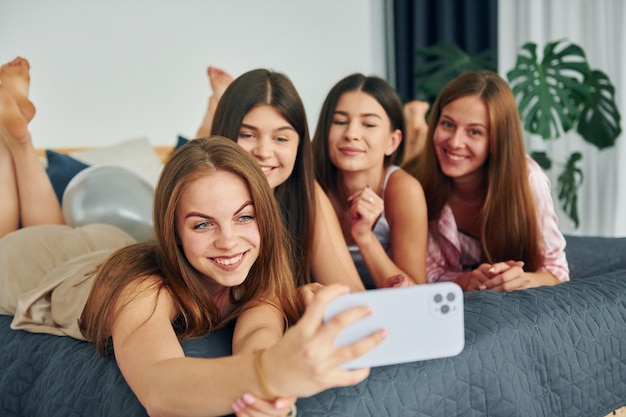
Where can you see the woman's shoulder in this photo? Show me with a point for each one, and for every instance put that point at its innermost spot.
(403, 192)
(532, 164)
(141, 285)
(534, 169)
(322, 199)
(401, 181)
(537, 177)
(148, 289)
(318, 188)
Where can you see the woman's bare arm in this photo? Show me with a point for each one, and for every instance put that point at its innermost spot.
(166, 382)
(258, 327)
(153, 363)
(405, 211)
(408, 220)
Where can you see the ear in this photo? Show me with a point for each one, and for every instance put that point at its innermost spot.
(394, 141)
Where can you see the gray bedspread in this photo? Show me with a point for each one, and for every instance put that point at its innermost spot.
(551, 351)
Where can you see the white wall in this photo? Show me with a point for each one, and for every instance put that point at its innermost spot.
(105, 71)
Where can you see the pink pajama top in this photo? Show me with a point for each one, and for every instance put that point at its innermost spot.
(454, 252)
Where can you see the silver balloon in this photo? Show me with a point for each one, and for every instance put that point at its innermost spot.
(110, 194)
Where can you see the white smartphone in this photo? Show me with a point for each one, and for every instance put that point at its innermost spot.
(424, 322)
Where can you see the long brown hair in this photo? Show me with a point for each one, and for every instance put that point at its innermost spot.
(296, 196)
(325, 171)
(270, 279)
(509, 224)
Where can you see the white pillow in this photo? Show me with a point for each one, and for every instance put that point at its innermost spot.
(138, 155)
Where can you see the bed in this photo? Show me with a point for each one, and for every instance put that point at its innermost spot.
(551, 351)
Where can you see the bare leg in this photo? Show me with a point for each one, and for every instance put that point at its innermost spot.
(219, 80)
(416, 127)
(26, 187)
(14, 75)
(9, 200)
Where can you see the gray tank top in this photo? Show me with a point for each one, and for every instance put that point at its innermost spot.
(382, 233)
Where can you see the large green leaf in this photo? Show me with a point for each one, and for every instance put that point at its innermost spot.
(445, 61)
(544, 89)
(599, 122)
(569, 182)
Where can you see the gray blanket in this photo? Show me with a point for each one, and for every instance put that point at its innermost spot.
(552, 351)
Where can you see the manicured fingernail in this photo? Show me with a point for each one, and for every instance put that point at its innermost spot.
(248, 398)
(482, 287)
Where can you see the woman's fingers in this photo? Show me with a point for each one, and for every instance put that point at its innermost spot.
(250, 406)
(307, 292)
(316, 307)
(341, 320)
(366, 202)
(511, 278)
(501, 267)
(306, 360)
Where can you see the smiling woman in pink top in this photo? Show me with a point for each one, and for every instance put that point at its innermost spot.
(492, 223)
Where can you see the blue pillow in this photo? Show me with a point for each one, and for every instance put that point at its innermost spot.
(181, 141)
(61, 169)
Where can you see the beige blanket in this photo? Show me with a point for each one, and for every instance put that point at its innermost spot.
(47, 272)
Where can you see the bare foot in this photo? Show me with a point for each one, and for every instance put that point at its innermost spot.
(219, 80)
(15, 77)
(416, 127)
(13, 125)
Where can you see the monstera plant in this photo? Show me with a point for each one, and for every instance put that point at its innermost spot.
(555, 94)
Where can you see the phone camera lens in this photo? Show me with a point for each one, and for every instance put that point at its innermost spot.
(438, 298)
(450, 296)
(445, 308)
